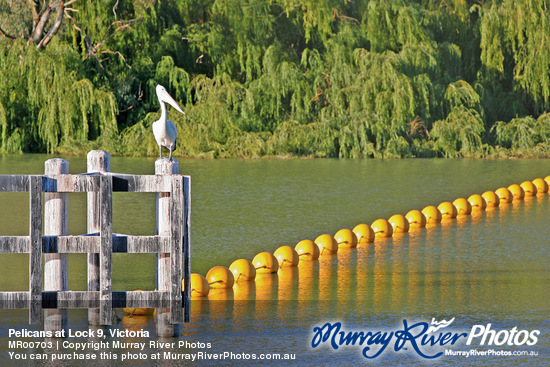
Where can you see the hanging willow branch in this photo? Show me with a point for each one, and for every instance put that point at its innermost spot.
(92, 50)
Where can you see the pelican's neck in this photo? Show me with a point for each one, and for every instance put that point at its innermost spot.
(163, 112)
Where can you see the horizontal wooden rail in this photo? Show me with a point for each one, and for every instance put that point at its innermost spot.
(70, 183)
(89, 183)
(86, 299)
(85, 244)
(11, 300)
(141, 183)
(14, 183)
(15, 245)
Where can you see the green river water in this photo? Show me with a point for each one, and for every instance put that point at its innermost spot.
(491, 267)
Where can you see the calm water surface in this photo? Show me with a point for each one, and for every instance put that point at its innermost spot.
(490, 267)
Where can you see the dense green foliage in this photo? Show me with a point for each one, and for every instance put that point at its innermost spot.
(326, 78)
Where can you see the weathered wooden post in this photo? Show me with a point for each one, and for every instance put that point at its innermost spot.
(97, 161)
(56, 223)
(35, 254)
(187, 247)
(164, 166)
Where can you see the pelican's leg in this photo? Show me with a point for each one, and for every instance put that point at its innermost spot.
(170, 157)
(160, 150)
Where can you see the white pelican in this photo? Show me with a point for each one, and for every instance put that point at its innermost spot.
(165, 130)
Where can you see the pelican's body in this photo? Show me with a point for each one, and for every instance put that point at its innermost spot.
(165, 130)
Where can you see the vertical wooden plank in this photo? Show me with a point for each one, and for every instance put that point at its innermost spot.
(56, 223)
(97, 161)
(176, 211)
(106, 250)
(35, 257)
(165, 327)
(187, 246)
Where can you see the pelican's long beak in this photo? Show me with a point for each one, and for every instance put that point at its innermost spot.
(168, 99)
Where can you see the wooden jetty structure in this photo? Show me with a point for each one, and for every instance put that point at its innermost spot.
(49, 237)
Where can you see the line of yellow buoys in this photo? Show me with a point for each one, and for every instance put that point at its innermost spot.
(242, 270)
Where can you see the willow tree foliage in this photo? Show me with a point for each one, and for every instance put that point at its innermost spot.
(515, 45)
(392, 24)
(523, 132)
(47, 104)
(329, 78)
(460, 133)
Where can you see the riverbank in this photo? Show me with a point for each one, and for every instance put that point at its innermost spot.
(274, 146)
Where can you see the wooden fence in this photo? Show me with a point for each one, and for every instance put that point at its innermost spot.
(172, 243)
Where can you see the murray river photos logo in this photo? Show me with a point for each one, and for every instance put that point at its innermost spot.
(423, 339)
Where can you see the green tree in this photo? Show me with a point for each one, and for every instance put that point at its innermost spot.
(515, 47)
(334, 78)
(48, 103)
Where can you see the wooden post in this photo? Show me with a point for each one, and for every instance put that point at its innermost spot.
(56, 223)
(164, 166)
(176, 218)
(106, 249)
(35, 256)
(187, 247)
(98, 161)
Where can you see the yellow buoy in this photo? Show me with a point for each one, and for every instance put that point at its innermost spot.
(463, 206)
(139, 310)
(345, 238)
(265, 263)
(221, 294)
(199, 286)
(416, 219)
(364, 233)
(517, 191)
(432, 214)
(399, 223)
(547, 180)
(529, 188)
(242, 270)
(491, 199)
(327, 244)
(447, 210)
(541, 185)
(286, 256)
(382, 228)
(307, 249)
(504, 195)
(219, 277)
(477, 202)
